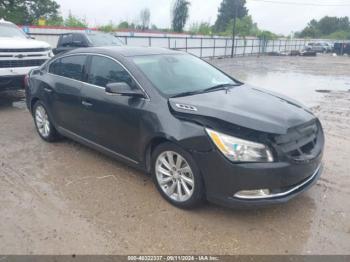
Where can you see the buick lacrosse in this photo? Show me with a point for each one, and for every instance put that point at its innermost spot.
(199, 132)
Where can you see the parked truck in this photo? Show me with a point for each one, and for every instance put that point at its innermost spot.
(342, 48)
(19, 54)
(69, 41)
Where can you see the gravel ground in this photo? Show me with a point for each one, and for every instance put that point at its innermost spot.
(64, 198)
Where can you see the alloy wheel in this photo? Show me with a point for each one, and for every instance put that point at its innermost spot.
(174, 176)
(42, 121)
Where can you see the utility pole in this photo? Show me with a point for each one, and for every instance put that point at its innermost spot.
(235, 6)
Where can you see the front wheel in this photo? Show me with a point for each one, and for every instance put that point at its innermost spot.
(177, 176)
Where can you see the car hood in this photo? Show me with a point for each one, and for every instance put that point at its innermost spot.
(20, 43)
(245, 106)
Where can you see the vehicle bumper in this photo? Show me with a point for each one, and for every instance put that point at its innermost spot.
(13, 78)
(223, 180)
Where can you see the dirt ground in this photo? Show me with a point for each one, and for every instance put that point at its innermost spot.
(64, 198)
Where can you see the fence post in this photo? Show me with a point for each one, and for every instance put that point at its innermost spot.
(149, 41)
(245, 43)
(214, 47)
(168, 42)
(251, 53)
(225, 47)
(279, 46)
(285, 45)
(201, 54)
(126, 40)
(186, 44)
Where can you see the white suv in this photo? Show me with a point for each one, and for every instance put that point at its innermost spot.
(18, 55)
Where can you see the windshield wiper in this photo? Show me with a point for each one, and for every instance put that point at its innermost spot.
(190, 93)
(210, 89)
(219, 87)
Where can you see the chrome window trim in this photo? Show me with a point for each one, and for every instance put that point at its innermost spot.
(93, 54)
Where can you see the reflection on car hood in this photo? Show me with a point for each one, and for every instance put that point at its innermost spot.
(246, 106)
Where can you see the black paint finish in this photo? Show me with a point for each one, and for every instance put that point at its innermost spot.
(128, 128)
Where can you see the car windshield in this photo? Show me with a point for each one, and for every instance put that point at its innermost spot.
(180, 73)
(100, 39)
(11, 31)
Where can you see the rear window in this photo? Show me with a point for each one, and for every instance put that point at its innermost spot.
(66, 40)
(101, 39)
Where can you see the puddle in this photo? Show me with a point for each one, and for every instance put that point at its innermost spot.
(306, 88)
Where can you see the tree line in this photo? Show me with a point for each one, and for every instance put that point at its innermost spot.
(327, 28)
(32, 11)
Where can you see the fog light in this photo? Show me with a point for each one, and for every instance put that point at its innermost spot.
(253, 194)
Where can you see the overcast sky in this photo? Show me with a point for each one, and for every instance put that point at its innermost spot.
(279, 18)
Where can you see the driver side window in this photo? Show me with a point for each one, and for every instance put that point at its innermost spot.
(104, 71)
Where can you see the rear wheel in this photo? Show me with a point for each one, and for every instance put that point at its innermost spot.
(177, 176)
(43, 123)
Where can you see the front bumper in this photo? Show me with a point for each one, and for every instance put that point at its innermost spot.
(223, 179)
(13, 78)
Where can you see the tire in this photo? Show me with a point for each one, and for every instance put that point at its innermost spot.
(181, 171)
(43, 123)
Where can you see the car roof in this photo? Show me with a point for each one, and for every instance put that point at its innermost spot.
(125, 51)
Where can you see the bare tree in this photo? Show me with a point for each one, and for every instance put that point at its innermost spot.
(145, 17)
(180, 15)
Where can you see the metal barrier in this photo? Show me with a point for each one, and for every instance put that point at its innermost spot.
(217, 47)
(204, 47)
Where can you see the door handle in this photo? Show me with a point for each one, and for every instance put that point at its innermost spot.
(48, 90)
(86, 103)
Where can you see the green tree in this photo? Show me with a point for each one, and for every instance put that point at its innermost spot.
(344, 35)
(327, 26)
(267, 35)
(124, 25)
(202, 28)
(74, 21)
(180, 15)
(110, 27)
(227, 11)
(244, 27)
(29, 11)
(145, 17)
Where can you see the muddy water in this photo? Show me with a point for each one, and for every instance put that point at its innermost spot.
(64, 198)
(304, 79)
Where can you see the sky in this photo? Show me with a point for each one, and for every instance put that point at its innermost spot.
(278, 18)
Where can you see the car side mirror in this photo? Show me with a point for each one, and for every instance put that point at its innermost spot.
(123, 89)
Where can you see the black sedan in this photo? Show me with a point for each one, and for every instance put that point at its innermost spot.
(199, 132)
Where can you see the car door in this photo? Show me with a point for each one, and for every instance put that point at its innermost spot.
(65, 94)
(111, 120)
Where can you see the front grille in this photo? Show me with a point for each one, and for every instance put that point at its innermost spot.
(21, 63)
(299, 143)
(23, 50)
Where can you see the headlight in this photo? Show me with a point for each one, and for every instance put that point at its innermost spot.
(239, 150)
